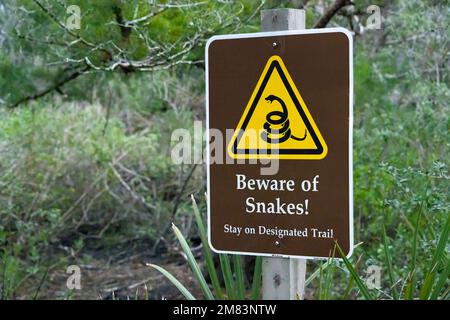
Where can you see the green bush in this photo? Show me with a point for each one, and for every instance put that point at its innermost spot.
(65, 176)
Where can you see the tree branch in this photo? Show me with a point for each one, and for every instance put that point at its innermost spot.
(62, 25)
(72, 76)
(331, 11)
(146, 17)
(111, 57)
(125, 30)
(175, 207)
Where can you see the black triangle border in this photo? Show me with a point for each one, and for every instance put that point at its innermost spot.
(276, 65)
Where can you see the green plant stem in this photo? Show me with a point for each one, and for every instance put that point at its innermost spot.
(257, 279)
(207, 251)
(227, 276)
(389, 264)
(193, 264)
(185, 292)
(240, 280)
(362, 287)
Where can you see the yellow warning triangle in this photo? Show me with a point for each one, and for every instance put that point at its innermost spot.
(276, 124)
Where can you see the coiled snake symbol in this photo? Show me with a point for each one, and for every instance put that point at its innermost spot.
(276, 127)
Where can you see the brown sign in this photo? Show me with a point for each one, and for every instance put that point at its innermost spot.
(279, 114)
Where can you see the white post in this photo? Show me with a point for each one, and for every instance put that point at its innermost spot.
(283, 279)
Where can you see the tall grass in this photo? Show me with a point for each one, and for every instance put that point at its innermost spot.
(434, 284)
(232, 270)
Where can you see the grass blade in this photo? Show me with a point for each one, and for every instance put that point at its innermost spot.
(346, 294)
(193, 264)
(317, 272)
(409, 291)
(257, 279)
(441, 282)
(5, 266)
(329, 276)
(388, 262)
(44, 277)
(240, 280)
(322, 267)
(362, 287)
(425, 289)
(321, 271)
(185, 292)
(227, 276)
(440, 249)
(440, 255)
(207, 251)
(409, 287)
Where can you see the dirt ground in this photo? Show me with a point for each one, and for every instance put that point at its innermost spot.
(117, 273)
(120, 273)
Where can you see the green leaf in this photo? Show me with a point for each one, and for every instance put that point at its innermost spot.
(362, 287)
(227, 276)
(347, 290)
(409, 287)
(388, 262)
(257, 279)
(317, 272)
(240, 280)
(321, 271)
(322, 267)
(426, 286)
(329, 277)
(441, 255)
(441, 282)
(193, 264)
(443, 239)
(185, 292)
(409, 291)
(207, 251)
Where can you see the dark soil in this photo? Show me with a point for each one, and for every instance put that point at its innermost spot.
(119, 273)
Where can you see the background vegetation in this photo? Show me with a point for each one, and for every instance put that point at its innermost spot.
(85, 169)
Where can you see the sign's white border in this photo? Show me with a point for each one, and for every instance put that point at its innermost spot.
(350, 149)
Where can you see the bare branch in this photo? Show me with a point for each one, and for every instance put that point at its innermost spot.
(175, 207)
(182, 5)
(71, 76)
(62, 25)
(125, 30)
(146, 17)
(133, 193)
(77, 37)
(331, 11)
(109, 56)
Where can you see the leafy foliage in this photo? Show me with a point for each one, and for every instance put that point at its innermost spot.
(234, 278)
(91, 161)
